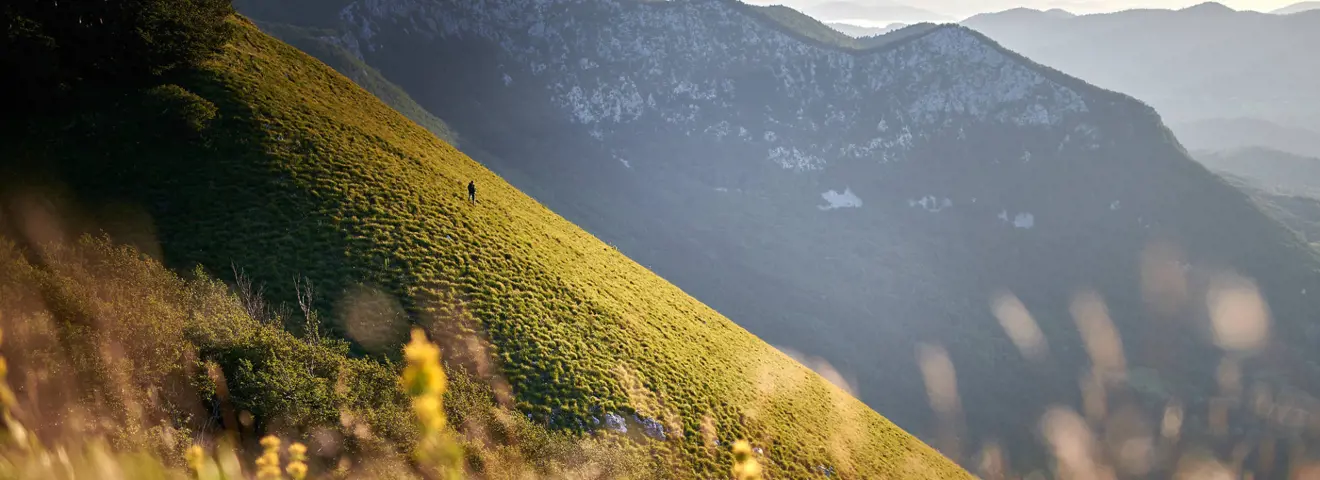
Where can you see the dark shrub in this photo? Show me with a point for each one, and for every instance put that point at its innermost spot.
(50, 49)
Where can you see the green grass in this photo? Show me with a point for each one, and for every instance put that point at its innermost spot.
(314, 42)
(93, 327)
(276, 163)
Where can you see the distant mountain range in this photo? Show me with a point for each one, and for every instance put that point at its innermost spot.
(1019, 14)
(1244, 133)
(872, 11)
(1297, 8)
(812, 29)
(869, 13)
(859, 31)
(1270, 169)
(1286, 186)
(1196, 66)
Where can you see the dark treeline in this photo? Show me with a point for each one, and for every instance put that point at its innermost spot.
(55, 51)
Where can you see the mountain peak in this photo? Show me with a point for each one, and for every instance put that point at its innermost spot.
(1210, 7)
(913, 80)
(1024, 13)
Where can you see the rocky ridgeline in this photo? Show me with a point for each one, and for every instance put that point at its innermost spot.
(706, 68)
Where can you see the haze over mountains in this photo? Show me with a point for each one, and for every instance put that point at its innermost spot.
(867, 13)
(1271, 169)
(1286, 186)
(1297, 8)
(854, 204)
(961, 9)
(1221, 78)
(860, 31)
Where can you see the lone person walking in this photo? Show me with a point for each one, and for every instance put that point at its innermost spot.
(472, 191)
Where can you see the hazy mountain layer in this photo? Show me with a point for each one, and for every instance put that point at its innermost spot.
(1206, 63)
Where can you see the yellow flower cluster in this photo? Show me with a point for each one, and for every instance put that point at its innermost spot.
(7, 399)
(424, 380)
(297, 468)
(11, 430)
(196, 458)
(268, 464)
(204, 467)
(744, 466)
(10, 427)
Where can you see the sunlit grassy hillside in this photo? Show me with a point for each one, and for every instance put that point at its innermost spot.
(112, 366)
(268, 160)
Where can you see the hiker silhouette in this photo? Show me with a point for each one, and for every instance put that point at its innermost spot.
(472, 192)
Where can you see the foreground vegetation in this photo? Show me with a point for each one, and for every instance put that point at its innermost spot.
(264, 162)
(105, 344)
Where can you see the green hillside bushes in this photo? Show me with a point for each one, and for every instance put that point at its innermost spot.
(49, 49)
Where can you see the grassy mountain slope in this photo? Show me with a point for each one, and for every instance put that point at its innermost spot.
(271, 161)
(313, 42)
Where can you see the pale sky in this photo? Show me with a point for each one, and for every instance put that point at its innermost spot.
(960, 9)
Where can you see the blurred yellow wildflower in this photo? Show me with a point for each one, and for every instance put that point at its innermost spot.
(744, 466)
(9, 426)
(195, 457)
(7, 399)
(423, 377)
(424, 380)
(268, 465)
(297, 468)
